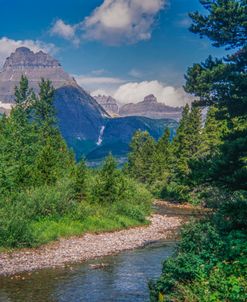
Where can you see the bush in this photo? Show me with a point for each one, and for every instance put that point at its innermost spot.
(210, 262)
(15, 230)
(175, 192)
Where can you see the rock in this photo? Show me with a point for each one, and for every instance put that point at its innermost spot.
(34, 66)
(151, 108)
(108, 103)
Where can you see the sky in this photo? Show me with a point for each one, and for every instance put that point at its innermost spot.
(124, 48)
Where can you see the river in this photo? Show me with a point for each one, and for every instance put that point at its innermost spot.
(119, 278)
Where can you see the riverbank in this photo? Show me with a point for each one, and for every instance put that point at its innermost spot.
(88, 246)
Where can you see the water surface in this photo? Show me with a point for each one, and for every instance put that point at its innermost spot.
(123, 279)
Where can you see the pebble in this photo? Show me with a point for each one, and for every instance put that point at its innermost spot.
(89, 246)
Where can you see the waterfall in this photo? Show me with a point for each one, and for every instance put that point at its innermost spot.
(100, 139)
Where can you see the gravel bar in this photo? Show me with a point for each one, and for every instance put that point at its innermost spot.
(89, 246)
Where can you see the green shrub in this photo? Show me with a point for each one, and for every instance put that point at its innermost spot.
(15, 230)
(175, 192)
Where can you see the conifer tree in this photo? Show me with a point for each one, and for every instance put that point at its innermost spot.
(79, 184)
(195, 132)
(109, 182)
(182, 144)
(164, 157)
(213, 132)
(44, 111)
(53, 158)
(141, 158)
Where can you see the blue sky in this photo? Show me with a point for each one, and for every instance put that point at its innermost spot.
(120, 61)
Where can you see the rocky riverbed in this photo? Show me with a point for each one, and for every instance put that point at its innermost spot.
(88, 246)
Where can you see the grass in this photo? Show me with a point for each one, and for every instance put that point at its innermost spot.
(48, 229)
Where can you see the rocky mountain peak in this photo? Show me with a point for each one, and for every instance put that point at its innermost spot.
(23, 58)
(150, 99)
(108, 103)
(34, 66)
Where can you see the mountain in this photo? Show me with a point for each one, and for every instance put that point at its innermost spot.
(80, 117)
(117, 134)
(34, 66)
(151, 108)
(108, 103)
(85, 125)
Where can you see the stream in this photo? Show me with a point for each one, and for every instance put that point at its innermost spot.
(119, 278)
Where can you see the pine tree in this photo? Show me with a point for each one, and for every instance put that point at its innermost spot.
(164, 157)
(213, 132)
(141, 158)
(224, 82)
(182, 144)
(44, 111)
(23, 94)
(79, 183)
(109, 182)
(53, 158)
(195, 133)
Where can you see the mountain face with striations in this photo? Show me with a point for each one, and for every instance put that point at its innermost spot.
(151, 108)
(34, 66)
(108, 103)
(85, 125)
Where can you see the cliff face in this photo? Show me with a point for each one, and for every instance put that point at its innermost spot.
(151, 108)
(108, 103)
(34, 66)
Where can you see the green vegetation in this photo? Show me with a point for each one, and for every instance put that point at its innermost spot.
(44, 193)
(210, 261)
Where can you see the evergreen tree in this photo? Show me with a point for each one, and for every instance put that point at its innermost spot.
(23, 94)
(224, 82)
(79, 184)
(17, 142)
(44, 110)
(141, 158)
(109, 187)
(182, 144)
(195, 133)
(213, 132)
(53, 157)
(164, 157)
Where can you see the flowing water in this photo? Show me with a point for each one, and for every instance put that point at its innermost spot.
(120, 278)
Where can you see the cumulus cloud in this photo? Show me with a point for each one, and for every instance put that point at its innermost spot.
(66, 31)
(135, 92)
(7, 46)
(122, 21)
(114, 22)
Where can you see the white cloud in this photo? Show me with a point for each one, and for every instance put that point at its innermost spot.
(7, 46)
(135, 73)
(122, 21)
(66, 31)
(87, 80)
(135, 92)
(114, 22)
